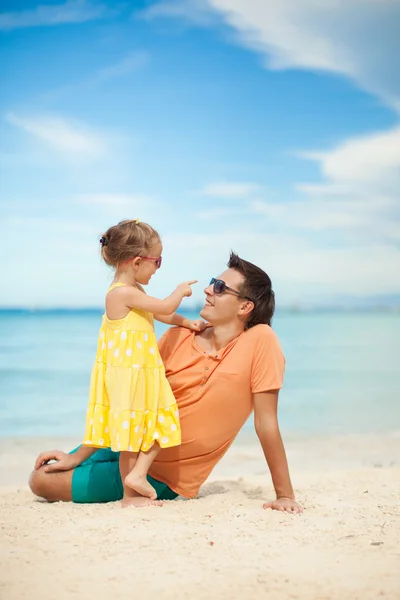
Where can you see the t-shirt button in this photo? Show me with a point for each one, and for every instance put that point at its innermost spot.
(207, 368)
(201, 385)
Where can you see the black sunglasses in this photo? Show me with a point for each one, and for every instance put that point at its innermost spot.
(220, 287)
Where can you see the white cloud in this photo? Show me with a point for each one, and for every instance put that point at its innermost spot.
(341, 236)
(53, 226)
(356, 219)
(137, 202)
(229, 190)
(356, 38)
(133, 61)
(343, 232)
(62, 135)
(300, 269)
(361, 183)
(60, 260)
(109, 199)
(195, 11)
(357, 200)
(322, 190)
(359, 194)
(72, 11)
(217, 213)
(364, 161)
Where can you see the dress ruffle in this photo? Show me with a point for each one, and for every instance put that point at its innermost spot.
(132, 430)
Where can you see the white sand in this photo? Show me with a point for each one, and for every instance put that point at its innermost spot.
(345, 546)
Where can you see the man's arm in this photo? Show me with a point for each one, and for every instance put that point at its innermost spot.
(267, 429)
(64, 462)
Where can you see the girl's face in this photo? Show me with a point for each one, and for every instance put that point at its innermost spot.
(147, 266)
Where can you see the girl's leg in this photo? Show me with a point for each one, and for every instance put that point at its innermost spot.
(127, 461)
(136, 479)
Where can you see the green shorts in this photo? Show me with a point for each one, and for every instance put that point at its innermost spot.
(97, 479)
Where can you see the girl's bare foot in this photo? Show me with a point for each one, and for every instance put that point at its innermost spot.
(139, 502)
(140, 484)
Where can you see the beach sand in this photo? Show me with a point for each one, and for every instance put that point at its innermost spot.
(345, 546)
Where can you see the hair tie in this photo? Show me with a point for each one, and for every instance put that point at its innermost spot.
(137, 221)
(104, 241)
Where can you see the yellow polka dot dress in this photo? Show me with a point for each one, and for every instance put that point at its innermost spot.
(131, 404)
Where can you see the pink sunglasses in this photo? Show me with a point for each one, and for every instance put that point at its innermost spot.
(158, 260)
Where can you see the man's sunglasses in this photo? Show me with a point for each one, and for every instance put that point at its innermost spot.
(158, 260)
(220, 287)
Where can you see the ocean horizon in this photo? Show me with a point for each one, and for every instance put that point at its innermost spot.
(342, 373)
(295, 308)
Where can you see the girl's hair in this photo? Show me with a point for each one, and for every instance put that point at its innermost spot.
(126, 240)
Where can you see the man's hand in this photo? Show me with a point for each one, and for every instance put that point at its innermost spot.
(285, 505)
(198, 325)
(64, 462)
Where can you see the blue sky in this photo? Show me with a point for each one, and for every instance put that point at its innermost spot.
(269, 128)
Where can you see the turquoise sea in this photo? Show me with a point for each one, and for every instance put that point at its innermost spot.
(342, 375)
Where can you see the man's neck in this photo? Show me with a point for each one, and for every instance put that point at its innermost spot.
(219, 336)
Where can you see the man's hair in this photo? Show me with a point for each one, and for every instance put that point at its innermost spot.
(257, 286)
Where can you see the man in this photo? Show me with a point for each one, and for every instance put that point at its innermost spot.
(218, 376)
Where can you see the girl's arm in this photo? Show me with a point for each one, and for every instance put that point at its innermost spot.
(173, 319)
(180, 321)
(136, 298)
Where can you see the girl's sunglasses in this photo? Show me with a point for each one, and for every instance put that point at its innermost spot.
(220, 287)
(158, 260)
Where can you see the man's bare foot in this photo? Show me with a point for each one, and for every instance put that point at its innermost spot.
(139, 502)
(140, 484)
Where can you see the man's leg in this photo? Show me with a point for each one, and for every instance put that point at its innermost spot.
(97, 479)
(53, 487)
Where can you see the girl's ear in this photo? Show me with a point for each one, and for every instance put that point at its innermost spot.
(136, 261)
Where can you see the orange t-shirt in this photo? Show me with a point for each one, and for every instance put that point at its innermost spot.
(215, 398)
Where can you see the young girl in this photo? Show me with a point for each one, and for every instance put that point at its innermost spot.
(131, 406)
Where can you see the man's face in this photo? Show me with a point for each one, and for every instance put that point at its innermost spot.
(223, 308)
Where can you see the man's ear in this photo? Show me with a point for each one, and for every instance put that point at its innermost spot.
(245, 308)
